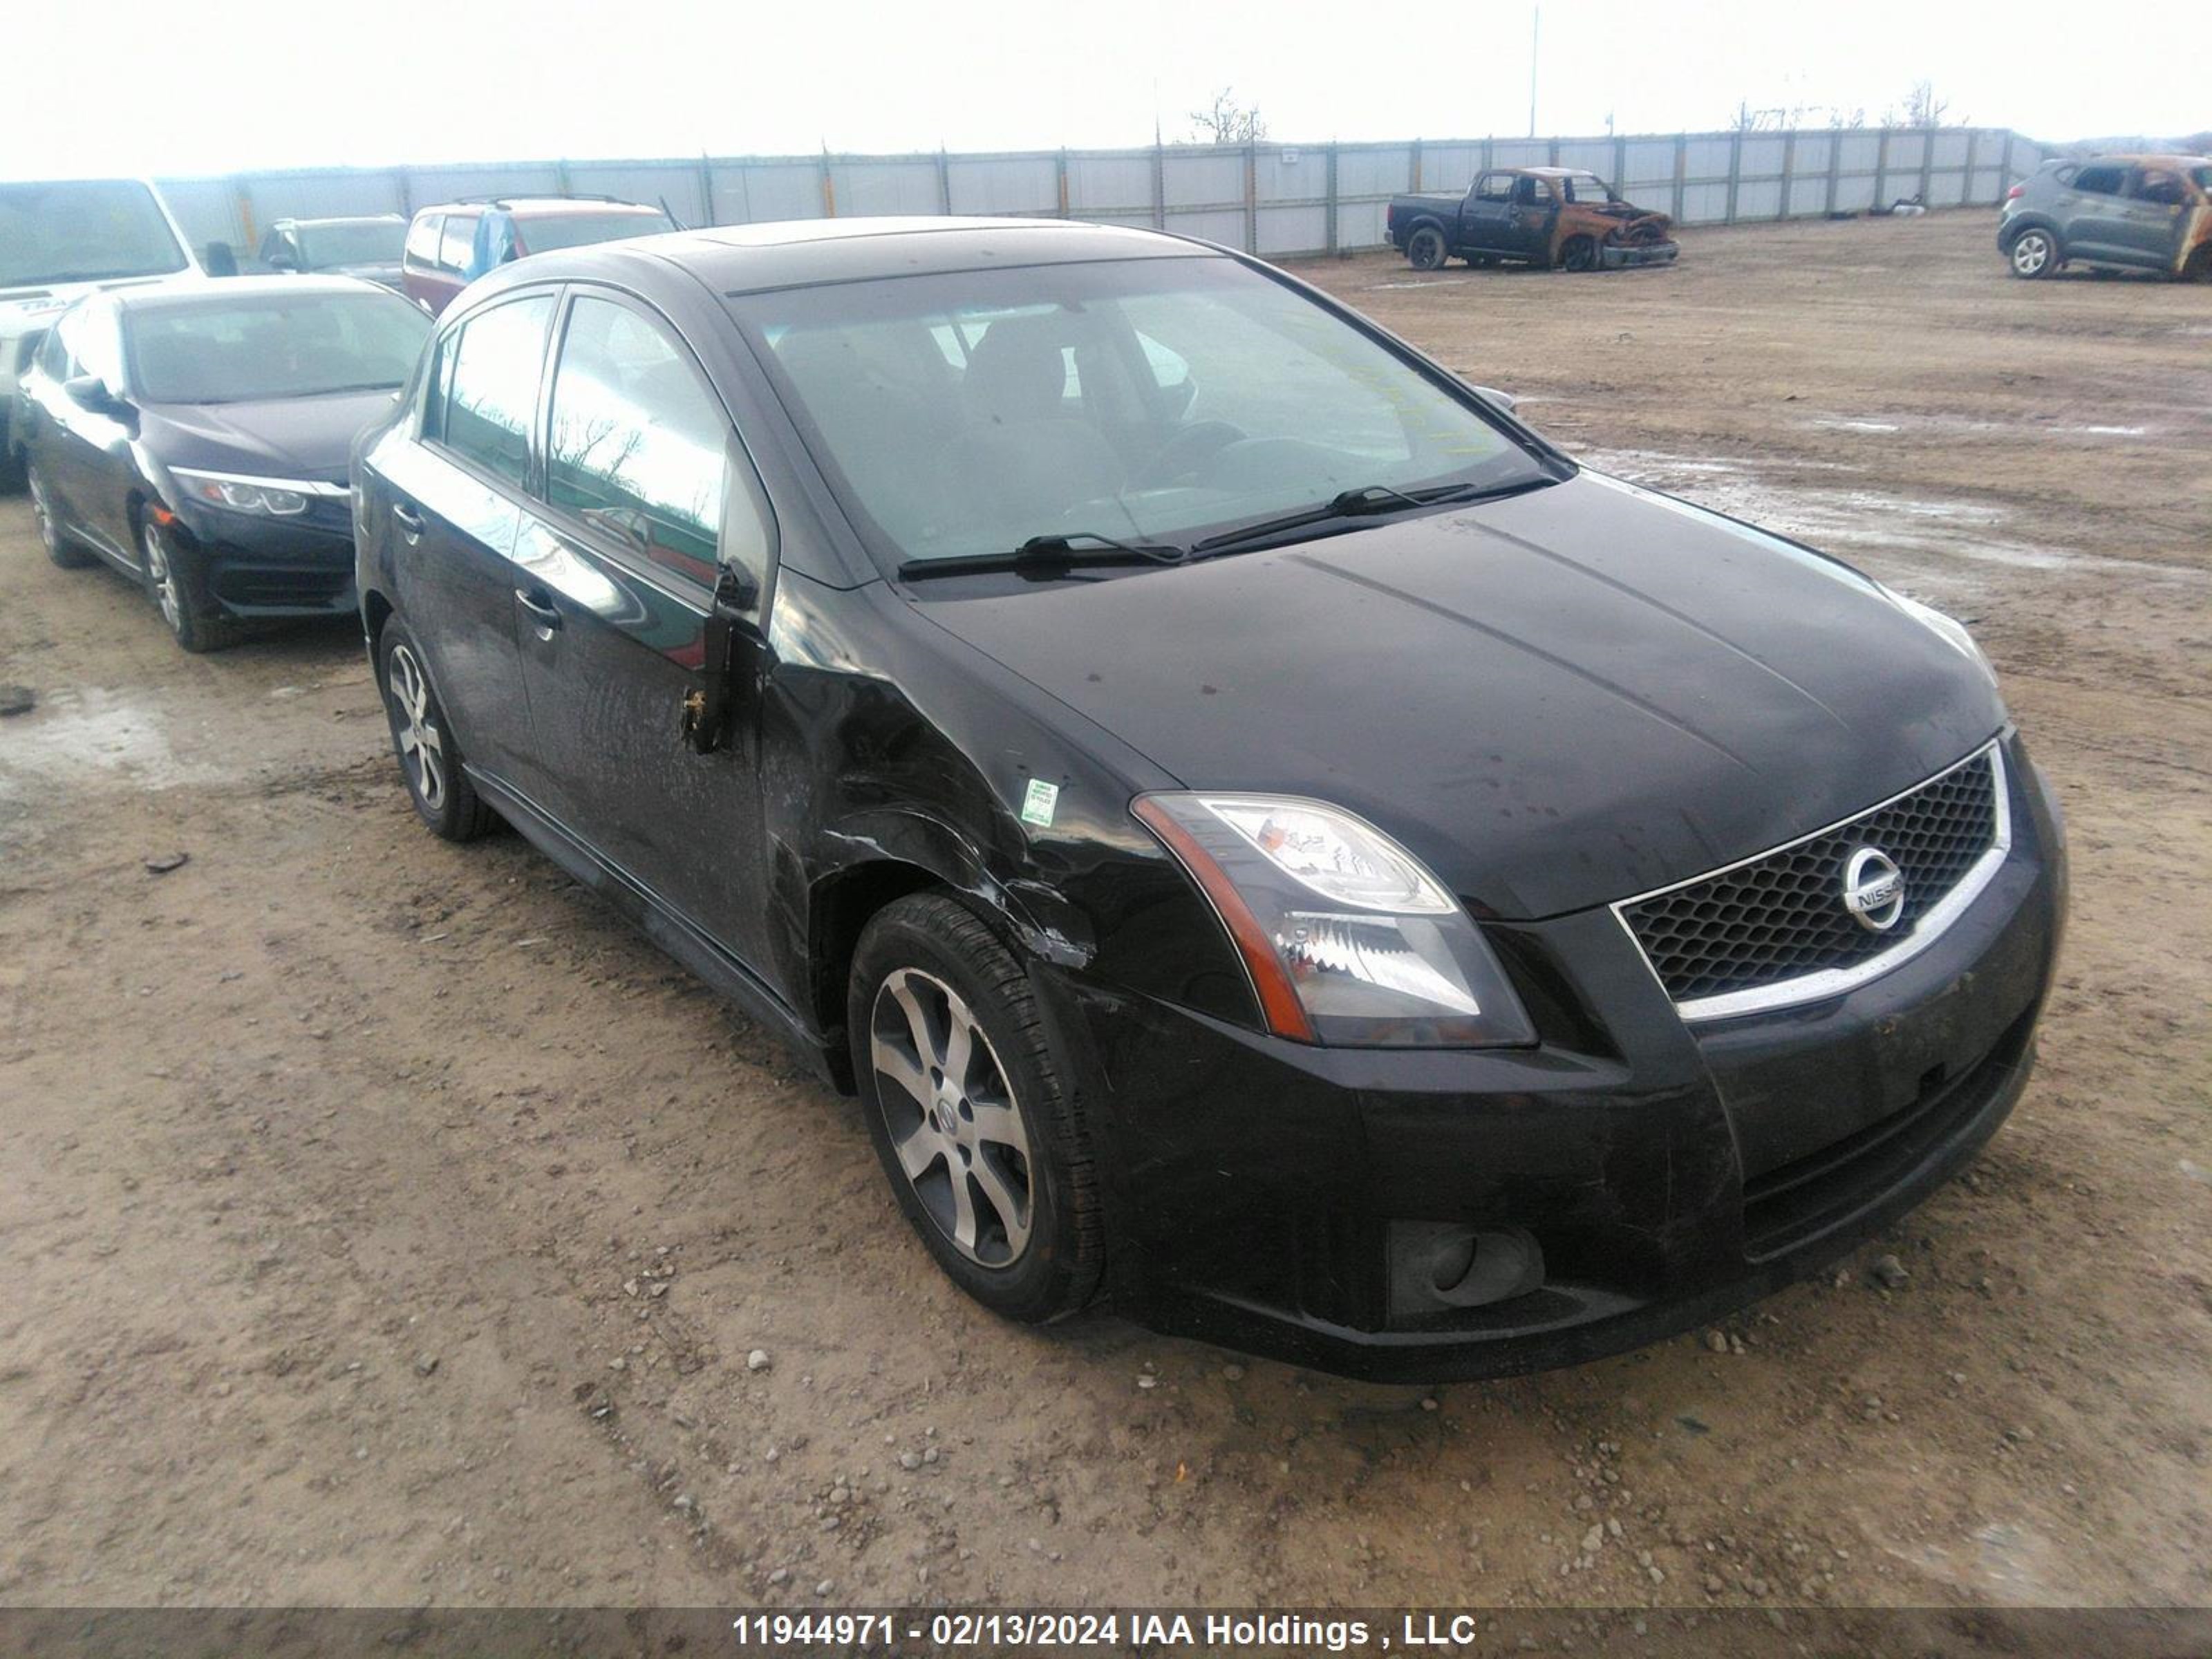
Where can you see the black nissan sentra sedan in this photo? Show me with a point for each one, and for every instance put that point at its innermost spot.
(196, 437)
(1276, 847)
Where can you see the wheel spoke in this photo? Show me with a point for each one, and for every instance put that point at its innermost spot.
(926, 1046)
(890, 1063)
(431, 741)
(959, 1051)
(1013, 1210)
(920, 1150)
(999, 1126)
(964, 1211)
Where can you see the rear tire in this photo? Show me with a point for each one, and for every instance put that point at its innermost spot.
(430, 759)
(177, 584)
(1426, 249)
(982, 1139)
(61, 547)
(2033, 254)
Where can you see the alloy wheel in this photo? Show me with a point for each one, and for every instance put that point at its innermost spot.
(421, 749)
(954, 1121)
(2031, 254)
(161, 572)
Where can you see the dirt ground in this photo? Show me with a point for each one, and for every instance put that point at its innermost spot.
(382, 1222)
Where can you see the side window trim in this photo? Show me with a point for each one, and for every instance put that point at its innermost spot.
(441, 384)
(741, 478)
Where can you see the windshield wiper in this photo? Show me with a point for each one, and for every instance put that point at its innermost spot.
(1368, 500)
(1045, 554)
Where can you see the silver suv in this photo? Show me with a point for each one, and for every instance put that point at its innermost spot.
(2136, 212)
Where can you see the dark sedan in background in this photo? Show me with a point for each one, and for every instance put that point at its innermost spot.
(196, 437)
(1269, 838)
(367, 246)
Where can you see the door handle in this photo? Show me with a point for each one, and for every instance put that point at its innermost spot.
(409, 521)
(539, 603)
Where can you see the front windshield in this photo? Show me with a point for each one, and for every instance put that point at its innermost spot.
(83, 233)
(249, 348)
(363, 242)
(1585, 187)
(557, 230)
(1152, 399)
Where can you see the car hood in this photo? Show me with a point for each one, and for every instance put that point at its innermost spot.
(1556, 699)
(286, 437)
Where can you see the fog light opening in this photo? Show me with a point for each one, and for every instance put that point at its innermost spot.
(1437, 1266)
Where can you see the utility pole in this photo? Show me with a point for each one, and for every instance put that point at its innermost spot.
(1536, 38)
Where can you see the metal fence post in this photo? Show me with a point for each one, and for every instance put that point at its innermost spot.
(1788, 174)
(1552, 151)
(1835, 164)
(1619, 161)
(1735, 172)
(1489, 155)
(1059, 180)
(1973, 154)
(1882, 170)
(1331, 212)
(829, 189)
(1681, 170)
(706, 190)
(1159, 185)
(2005, 167)
(1417, 166)
(1927, 164)
(1251, 196)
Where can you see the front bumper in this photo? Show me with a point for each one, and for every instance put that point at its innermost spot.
(256, 567)
(1615, 257)
(1260, 1190)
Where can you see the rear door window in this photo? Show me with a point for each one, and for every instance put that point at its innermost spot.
(423, 240)
(2101, 181)
(483, 398)
(636, 445)
(456, 242)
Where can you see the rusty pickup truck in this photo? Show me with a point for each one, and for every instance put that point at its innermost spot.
(1549, 217)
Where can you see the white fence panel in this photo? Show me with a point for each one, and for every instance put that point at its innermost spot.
(1290, 198)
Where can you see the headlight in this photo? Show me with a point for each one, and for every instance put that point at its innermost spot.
(1949, 629)
(1347, 940)
(276, 498)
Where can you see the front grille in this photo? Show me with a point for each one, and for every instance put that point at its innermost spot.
(1781, 916)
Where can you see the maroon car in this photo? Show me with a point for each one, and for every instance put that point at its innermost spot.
(450, 245)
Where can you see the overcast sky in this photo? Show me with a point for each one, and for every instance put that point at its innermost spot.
(153, 87)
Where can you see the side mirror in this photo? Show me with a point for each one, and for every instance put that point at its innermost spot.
(90, 391)
(1504, 401)
(220, 259)
(283, 258)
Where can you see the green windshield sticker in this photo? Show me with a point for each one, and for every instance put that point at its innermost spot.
(1041, 803)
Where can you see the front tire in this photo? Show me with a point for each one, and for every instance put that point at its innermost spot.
(430, 759)
(1426, 249)
(61, 547)
(1579, 253)
(2033, 254)
(178, 586)
(982, 1139)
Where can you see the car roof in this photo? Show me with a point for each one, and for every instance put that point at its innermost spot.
(734, 259)
(2132, 160)
(543, 204)
(212, 295)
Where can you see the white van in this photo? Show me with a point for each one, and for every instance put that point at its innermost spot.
(61, 238)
